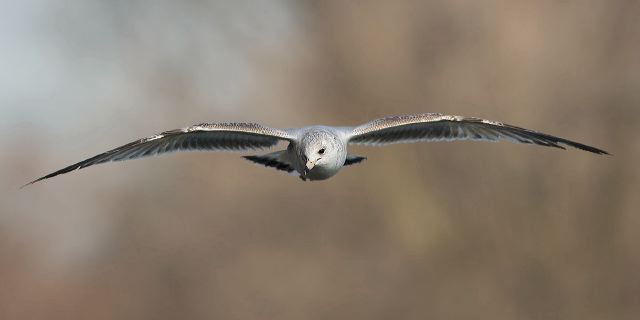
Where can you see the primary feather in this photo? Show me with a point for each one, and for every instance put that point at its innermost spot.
(435, 127)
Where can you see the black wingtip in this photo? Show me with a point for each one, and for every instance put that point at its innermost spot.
(37, 180)
(560, 143)
(53, 174)
(587, 148)
(602, 152)
(26, 185)
(30, 183)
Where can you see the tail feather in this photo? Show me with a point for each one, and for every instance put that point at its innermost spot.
(276, 160)
(353, 160)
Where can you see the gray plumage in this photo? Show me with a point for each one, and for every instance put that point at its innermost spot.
(319, 152)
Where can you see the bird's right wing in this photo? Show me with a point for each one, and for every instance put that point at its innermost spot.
(202, 137)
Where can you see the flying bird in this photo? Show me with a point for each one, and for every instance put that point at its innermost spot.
(319, 152)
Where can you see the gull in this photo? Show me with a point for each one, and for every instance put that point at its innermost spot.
(319, 152)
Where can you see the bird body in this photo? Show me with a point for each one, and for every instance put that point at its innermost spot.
(319, 152)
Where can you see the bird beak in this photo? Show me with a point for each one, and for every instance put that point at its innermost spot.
(310, 164)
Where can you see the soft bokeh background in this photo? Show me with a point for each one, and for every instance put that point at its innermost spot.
(432, 231)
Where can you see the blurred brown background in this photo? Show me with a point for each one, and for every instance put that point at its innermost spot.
(426, 231)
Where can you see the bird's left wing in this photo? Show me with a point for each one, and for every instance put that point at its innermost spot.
(438, 127)
(202, 137)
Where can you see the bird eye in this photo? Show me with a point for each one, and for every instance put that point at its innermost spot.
(321, 151)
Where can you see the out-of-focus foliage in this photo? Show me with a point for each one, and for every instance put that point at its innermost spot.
(431, 231)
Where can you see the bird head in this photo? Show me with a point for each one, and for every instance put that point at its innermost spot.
(320, 149)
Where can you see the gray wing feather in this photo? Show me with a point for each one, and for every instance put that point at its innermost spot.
(437, 127)
(202, 137)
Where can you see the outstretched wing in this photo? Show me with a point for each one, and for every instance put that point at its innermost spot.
(202, 137)
(437, 127)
